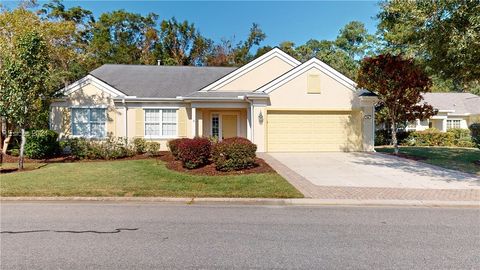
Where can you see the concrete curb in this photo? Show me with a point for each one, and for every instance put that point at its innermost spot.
(251, 201)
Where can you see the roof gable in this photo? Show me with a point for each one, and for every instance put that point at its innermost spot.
(89, 79)
(274, 54)
(297, 71)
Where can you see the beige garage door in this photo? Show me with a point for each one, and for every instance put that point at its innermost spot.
(309, 131)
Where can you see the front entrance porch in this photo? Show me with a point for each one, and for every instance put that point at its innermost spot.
(220, 123)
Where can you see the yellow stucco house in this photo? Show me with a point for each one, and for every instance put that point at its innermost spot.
(454, 110)
(277, 102)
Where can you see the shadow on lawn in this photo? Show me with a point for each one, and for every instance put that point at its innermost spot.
(415, 167)
(16, 170)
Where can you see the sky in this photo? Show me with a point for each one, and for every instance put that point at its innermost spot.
(294, 21)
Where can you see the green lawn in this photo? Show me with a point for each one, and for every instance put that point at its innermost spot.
(461, 159)
(138, 178)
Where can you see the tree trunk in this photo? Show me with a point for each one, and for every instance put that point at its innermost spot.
(6, 142)
(8, 137)
(22, 147)
(394, 137)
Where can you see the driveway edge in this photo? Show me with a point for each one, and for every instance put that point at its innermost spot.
(296, 180)
(251, 201)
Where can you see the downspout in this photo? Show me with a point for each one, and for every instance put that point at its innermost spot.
(126, 118)
(373, 127)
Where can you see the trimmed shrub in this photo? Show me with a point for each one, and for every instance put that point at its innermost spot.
(475, 129)
(115, 147)
(77, 147)
(140, 145)
(234, 154)
(465, 144)
(194, 152)
(152, 148)
(111, 148)
(173, 146)
(402, 136)
(461, 137)
(41, 143)
(384, 137)
(430, 137)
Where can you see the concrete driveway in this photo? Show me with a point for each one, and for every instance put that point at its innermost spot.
(373, 170)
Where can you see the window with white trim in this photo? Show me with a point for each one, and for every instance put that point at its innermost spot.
(453, 124)
(215, 126)
(89, 122)
(160, 123)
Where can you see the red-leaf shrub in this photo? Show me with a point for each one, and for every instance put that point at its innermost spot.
(234, 154)
(194, 152)
(173, 146)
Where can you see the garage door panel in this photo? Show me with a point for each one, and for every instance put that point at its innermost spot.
(290, 131)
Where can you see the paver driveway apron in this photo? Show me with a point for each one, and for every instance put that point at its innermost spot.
(373, 170)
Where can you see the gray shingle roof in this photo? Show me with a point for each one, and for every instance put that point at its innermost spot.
(460, 102)
(158, 81)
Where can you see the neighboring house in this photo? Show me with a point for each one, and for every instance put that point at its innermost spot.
(277, 102)
(455, 110)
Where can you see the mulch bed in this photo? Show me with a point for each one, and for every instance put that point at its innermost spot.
(14, 159)
(260, 167)
(63, 159)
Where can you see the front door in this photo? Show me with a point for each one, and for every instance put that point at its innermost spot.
(229, 126)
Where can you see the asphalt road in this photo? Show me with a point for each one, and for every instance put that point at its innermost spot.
(160, 236)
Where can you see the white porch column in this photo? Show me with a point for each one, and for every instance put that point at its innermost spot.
(444, 125)
(249, 123)
(194, 122)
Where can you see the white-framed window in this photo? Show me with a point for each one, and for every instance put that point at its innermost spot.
(89, 122)
(215, 125)
(160, 123)
(453, 123)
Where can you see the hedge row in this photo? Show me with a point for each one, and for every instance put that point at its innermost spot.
(109, 148)
(227, 155)
(433, 137)
(384, 137)
(475, 130)
(44, 144)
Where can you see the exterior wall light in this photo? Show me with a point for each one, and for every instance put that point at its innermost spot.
(260, 118)
(368, 116)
